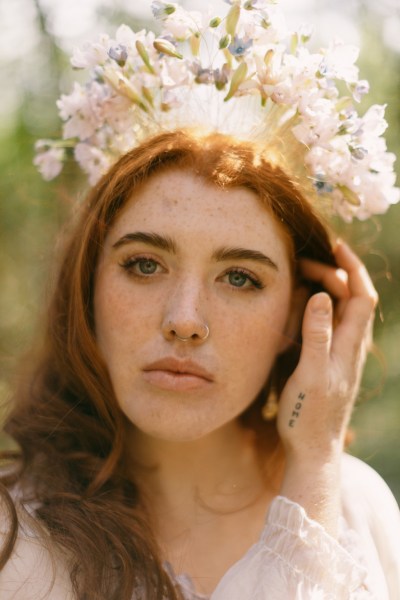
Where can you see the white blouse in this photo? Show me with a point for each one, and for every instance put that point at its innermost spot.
(294, 559)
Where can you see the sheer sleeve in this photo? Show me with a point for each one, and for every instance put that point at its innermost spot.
(295, 559)
(370, 510)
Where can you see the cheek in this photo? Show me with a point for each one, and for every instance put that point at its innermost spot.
(117, 316)
(255, 340)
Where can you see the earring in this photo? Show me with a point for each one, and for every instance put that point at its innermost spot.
(269, 411)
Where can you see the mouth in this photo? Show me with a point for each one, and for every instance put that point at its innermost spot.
(177, 375)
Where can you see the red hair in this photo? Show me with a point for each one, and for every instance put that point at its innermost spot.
(66, 420)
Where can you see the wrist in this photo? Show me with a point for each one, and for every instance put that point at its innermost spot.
(304, 452)
(315, 485)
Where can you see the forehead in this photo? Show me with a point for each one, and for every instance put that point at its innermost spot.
(185, 206)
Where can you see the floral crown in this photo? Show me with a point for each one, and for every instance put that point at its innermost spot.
(244, 74)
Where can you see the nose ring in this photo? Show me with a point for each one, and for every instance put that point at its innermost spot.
(202, 338)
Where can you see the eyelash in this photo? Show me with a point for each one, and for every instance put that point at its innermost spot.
(129, 264)
(255, 282)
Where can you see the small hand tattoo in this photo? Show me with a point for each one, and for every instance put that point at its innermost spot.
(297, 408)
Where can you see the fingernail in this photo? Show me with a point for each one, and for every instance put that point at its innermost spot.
(321, 304)
(336, 243)
(339, 242)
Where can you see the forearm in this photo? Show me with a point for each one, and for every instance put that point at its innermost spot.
(314, 484)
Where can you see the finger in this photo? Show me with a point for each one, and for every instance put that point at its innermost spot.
(316, 334)
(357, 313)
(354, 331)
(359, 282)
(332, 279)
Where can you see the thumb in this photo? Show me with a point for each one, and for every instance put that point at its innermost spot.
(317, 330)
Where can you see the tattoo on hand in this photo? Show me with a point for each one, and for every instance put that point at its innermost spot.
(297, 408)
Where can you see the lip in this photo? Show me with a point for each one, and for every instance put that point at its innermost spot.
(177, 375)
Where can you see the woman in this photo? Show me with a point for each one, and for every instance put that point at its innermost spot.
(141, 432)
(176, 317)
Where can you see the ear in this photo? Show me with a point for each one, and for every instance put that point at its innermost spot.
(300, 297)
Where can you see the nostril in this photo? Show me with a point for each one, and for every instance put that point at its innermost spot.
(198, 331)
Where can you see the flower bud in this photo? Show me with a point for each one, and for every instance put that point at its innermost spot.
(215, 22)
(237, 79)
(195, 41)
(166, 47)
(224, 42)
(161, 10)
(232, 19)
(349, 195)
(140, 47)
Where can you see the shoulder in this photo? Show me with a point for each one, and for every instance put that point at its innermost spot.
(363, 484)
(370, 509)
(34, 570)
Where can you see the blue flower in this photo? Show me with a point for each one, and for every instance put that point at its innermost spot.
(119, 54)
(322, 186)
(239, 46)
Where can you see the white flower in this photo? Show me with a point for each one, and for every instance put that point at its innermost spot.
(140, 82)
(373, 123)
(172, 98)
(291, 80)
(69, 104)
(78, 109)
(252, 4)
(182, 24)
(161, 10)
(319, 124)
(338, 62)
(91, 54)
(49, 162)
(258, 4)
(92, 160)
(117, 113)
(128, 38)
(264, 26)
(175, 73)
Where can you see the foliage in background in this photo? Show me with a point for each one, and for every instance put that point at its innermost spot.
(32, 212)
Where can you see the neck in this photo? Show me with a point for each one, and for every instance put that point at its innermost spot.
(220, 472)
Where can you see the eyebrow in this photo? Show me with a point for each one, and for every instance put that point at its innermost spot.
(244, 254)
(222, 254)
(151, 239)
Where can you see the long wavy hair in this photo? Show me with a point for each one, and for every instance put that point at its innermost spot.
(65, 418)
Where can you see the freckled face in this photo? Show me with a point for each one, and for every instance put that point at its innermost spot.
(182, 257)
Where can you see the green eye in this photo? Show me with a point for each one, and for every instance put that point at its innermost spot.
(241, 279)
(147, 266)
(238, 279)
(141, 266)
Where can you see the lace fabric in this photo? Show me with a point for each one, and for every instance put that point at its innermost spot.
(287, 523)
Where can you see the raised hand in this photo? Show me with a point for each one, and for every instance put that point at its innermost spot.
(317, 401)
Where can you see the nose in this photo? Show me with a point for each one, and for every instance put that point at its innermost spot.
(184, 319)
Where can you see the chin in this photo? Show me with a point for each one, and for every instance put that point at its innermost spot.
(169, 428)
(177, 432)
(180, 419)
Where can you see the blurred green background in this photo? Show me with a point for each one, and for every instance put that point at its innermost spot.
(36, 38)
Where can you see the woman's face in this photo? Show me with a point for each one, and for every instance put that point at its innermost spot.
(184, 257)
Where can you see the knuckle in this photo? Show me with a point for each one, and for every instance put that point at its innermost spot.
(369, 304)
(320, 336)
(374, 298)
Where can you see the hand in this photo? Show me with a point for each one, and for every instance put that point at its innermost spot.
(317, 401)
